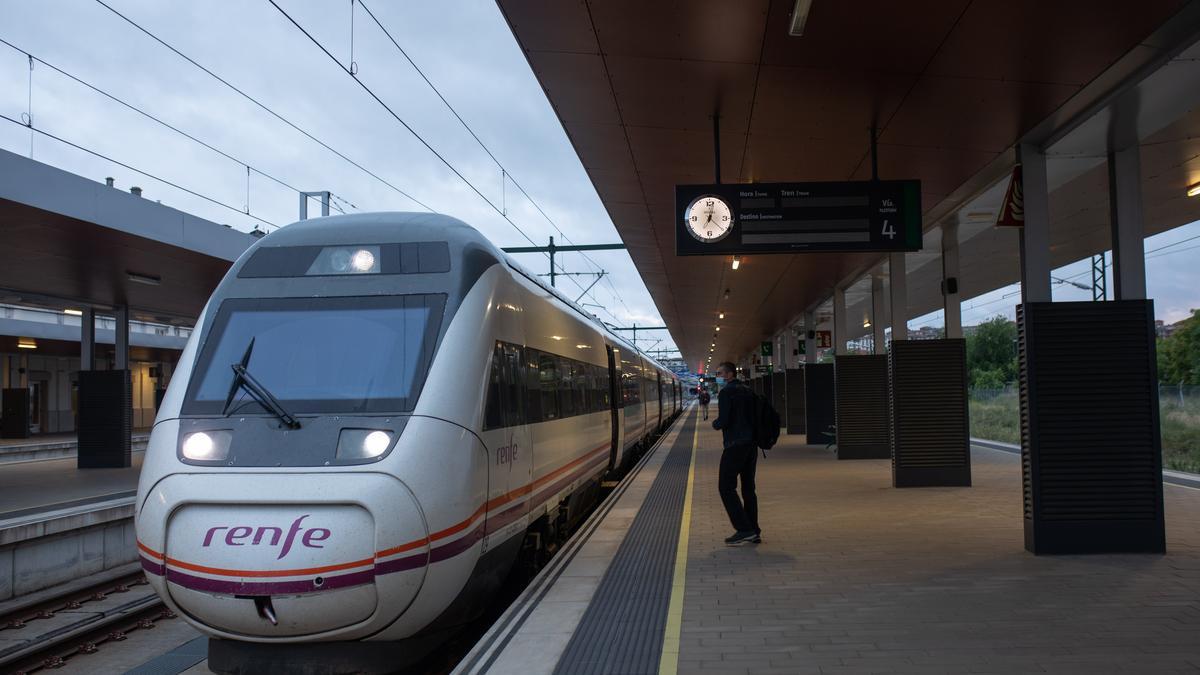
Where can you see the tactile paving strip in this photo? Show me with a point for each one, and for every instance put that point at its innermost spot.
(622, 629)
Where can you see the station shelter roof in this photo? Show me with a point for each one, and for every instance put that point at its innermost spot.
(70, 241)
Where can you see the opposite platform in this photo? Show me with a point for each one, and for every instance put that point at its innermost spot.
(854, 576)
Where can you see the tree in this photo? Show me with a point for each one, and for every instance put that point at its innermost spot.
(991, 355)
(1179, 355)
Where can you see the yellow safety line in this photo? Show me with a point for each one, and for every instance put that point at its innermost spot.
(668, 663)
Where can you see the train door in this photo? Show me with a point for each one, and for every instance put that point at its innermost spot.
(506, 431)
(659, 390)
(614, 404)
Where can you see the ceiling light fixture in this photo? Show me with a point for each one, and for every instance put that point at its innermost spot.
(148, 279)
(737, 262)
(26, 343)
(73, 312)
(721, 315)
(799, 17)
(1193, 190)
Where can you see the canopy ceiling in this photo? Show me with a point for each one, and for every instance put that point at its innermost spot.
(951, 87)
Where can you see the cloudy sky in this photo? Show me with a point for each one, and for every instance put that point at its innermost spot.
(463, 46)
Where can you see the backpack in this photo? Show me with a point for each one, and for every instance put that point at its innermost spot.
(766, 423)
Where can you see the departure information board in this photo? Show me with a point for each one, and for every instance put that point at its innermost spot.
(798, 217)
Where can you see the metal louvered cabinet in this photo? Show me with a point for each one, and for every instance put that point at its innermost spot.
(819, 416)
(779, 397)
(1091, 450)
(105, 419)
(794, 400)
(862, 407)
(930, 434)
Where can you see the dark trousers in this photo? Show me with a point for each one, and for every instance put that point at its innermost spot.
(739, 461)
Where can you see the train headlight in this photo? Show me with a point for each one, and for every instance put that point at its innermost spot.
(206, 446)
(363, 443)
(346, 260)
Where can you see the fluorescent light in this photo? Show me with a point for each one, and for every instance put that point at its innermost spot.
(718, 328)
(147, 279)
(1194, 190)
(721, 315)
(73, 312)
(26, 343)
(799, 17)
(556, 337)
(737, 262)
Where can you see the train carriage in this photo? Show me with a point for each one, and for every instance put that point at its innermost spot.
(376, 416)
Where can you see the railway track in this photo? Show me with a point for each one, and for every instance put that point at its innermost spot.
(82, 621)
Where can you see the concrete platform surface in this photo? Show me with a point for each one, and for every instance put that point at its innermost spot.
(29, 487)
(854, 576)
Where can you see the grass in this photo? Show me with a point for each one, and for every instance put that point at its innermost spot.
(998, 418)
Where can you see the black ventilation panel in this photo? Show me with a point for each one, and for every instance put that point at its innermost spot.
(931, 444)
(862, 407)
(794, 381)
(1091, 450)
(105, 419)
(819, 407)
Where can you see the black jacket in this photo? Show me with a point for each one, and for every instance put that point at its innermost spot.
(735, 411)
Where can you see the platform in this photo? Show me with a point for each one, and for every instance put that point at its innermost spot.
(54, 446)
(853, 576)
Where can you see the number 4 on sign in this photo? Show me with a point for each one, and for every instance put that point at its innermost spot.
(888, 230)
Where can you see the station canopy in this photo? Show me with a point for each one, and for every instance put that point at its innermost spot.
(951, 85)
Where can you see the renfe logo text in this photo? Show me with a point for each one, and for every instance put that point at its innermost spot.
(240, 535)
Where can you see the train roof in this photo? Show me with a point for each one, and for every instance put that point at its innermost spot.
(400, 226)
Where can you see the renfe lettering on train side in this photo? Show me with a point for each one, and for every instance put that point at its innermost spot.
(507, 454)
(236, 535)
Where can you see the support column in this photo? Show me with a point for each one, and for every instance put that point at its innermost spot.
(121, 318)
(878, 316)
(1128, 228)
(839, 321)
(1035, 235)
(951, 300)
(898, 283)
(87, 339)
(810, 337)
(1084, 423)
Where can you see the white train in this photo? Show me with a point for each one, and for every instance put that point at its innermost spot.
(375, 418)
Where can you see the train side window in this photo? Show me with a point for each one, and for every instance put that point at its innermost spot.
(493, 417)
(566, 397)
(512, 393)
(579, 384)
(548, 385)
(533, 392)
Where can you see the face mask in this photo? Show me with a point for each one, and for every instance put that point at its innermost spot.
(720, 382)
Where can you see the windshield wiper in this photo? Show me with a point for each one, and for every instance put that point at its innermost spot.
(242, 379)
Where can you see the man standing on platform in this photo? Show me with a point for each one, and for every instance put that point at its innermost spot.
(735, 420)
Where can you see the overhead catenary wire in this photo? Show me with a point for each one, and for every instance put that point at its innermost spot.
(153, 118)
(143, 172)
(505, 174)
(266, 108)
(371, 92)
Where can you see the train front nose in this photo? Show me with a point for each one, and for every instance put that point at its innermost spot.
(288, 554)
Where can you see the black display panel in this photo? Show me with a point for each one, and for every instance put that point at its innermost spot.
(797, 217)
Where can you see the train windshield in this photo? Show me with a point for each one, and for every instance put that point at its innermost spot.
(320, 355)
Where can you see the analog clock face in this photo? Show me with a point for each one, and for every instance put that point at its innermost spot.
(709, 218)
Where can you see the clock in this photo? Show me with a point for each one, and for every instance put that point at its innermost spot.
(708, 218)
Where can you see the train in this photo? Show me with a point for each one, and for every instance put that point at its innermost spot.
(376, 419)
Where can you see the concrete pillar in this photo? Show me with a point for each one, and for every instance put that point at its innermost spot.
(898, 284)
(121, 317)
(87, 339)
(877, 314)
(810, 337)
(951, 300)
(839, 321)
(1035, 235)
(23, 371)
(1128, 229)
